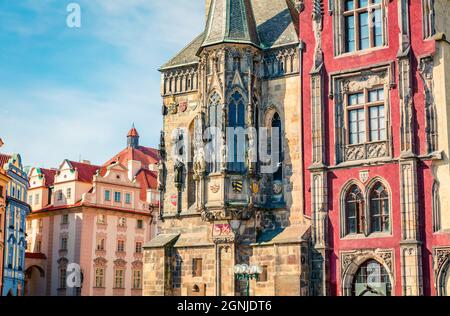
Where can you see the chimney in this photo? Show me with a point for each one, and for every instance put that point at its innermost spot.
(208, 5)
(87, 162)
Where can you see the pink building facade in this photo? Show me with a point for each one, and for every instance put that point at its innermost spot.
(96, 217)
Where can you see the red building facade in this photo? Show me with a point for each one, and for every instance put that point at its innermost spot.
(375, 145)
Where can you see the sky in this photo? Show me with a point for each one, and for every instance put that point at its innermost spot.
(73, 93)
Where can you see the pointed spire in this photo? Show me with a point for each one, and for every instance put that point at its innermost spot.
(133, 137)
(231, 21)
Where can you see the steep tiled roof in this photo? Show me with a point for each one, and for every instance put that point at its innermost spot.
(145, 155)
(276, 25)
(133, 132)
(148, 180)
(49, 176)
(231, 21)
(4, 159)
(187, 55)
(86, 172)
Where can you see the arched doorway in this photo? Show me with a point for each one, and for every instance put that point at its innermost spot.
(34, 281)
(371, 279)
(444, 280)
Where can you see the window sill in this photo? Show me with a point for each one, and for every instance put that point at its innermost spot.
(370, 236)
(361, 52)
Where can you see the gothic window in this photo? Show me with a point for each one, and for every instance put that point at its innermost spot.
(363, 24)
(215, 125)
(277, 151)
(428, 18)
(366, 117)
(354, 211)
(236, 121)
(379, 209)
(372, 279)
(436, 208)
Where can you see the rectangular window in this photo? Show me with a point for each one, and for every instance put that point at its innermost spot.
(37, 199)
(428, 18)
(69, 193)
(40, 225)
(366, 117)
(128, 198)
(137, 279)
(107, 195)
(59, 195)
(363, 23)
(139, 224)
(118, 280)
(197, 269)
(138, 247)
(38, 246)
(65, 219)
(101, 244)
(62, 278)
(30, 199)
(63, 243)
(120, 246)
(99, 277)
(117, 197)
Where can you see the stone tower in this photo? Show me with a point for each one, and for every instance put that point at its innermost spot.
(230, 178)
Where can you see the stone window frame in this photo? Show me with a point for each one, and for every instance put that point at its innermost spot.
(428, 19)
(365, 190)
(337, 9)
(343, 84)
(350, 261)
(120, 265)
(236, 102)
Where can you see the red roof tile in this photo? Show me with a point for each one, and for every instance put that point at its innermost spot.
(4, 159)
(148, 180)
(145, 155)
(86, 172)
(35, 255)
(133, 132)
(49, 176)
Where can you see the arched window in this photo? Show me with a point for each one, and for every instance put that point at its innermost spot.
(215, 125)
(379, 209)
(372, 279)
(236, 120)
(277, 152)
(354, 211)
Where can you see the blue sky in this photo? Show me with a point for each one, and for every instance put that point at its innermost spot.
(74, 92)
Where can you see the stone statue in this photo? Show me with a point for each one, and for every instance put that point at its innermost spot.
(179, 166)
(161, 183)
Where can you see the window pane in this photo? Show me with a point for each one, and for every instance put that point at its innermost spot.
(363, 3)
(349, 33)
(364, 31)
(349, 5)
(378, 28)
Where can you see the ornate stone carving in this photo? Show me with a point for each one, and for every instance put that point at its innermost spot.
(317, 16)
(426, 73)
(366, 151)
(441, 256)
(358, 257)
